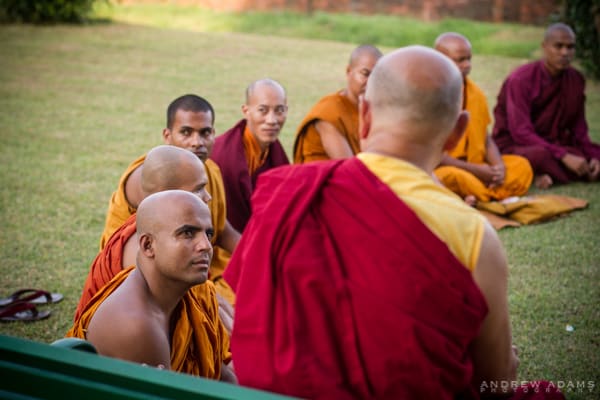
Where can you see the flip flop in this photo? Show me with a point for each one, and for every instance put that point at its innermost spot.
(22, 311)
(34, 296)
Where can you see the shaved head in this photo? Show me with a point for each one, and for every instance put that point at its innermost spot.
(263, 83)
(448, 40)
(558, 27)
(169, 167)
(364, 50)
(457, 48)
(418, 86)
(162, 208)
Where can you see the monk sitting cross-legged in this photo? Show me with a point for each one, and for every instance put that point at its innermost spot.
(163, 312)
(474, 167)
(363, 278)
(330, 129)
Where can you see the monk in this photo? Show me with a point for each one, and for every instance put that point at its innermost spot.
(251, 147)
(540, 114)
(163, 311)
(474, 168)
(330, 129)
(363, 277)
(190, 125)
(166, 167)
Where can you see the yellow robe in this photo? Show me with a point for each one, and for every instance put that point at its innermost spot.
(199, 343)
(120, 210)
(335, 109)
(472, 148)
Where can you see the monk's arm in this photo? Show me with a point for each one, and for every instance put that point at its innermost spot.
(228, 238)
(494, 158)
(133, 187)
(483, 172)
(335, 144)
(494, 359)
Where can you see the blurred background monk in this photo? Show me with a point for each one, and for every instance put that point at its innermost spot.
(474, 168)
(330, 129)
(190, 125)
(365, 278)
(148, 313)
(251, 147)
(540, 114)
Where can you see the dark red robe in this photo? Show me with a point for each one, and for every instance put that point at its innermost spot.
(541, 118)
(342, 292)
(228, 153)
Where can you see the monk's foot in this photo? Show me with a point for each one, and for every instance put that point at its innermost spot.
(543, 181)
(471, 200)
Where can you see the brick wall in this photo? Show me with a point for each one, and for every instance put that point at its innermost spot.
(523, 11)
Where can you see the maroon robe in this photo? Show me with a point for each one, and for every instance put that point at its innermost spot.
(228, 153)
(344, 293)
(541, 117)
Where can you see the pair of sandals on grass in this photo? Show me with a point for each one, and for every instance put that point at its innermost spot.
(22, 305)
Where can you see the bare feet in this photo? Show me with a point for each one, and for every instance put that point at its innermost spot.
(543, 181)
(471, 200)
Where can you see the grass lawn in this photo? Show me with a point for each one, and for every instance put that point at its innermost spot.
(79, 103)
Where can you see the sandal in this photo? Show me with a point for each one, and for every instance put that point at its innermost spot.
(21, 311)
(34, 296)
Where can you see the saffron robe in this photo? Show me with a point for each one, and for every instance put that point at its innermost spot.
(336, 109)
(472, 148)
(542, 118)
(335, 306)
(228, 153)
(120, 210)
(199, 343)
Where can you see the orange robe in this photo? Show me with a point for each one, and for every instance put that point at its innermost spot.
(199, 343)
(119, 210)
(472, 148)
(335, 109)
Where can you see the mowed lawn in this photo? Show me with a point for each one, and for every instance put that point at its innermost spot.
(78, 104)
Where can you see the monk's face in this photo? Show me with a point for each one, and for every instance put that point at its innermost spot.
(192, 131)
(559, 50)
(459, 51)
(194, 180)
(357, 75)
(265, 113)
(183, 251)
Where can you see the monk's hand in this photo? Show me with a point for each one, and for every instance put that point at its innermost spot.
(484, 172)
(576, 164)
(594, 174)
(499, 173)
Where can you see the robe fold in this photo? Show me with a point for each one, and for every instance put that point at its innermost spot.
(335, 306)
(542, 118)
(336, 109)
(228, 152)
(199, 343)
(472, 148)
(120, 210)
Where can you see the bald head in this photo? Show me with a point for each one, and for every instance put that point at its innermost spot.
(169, 167)
(262, 85)
(457, 48)
(364, 50)
(417, 86)
(558, 27)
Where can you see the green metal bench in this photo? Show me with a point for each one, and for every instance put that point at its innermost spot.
(33, 370)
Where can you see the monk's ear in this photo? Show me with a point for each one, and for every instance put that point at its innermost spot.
(245, 109)
(457, 131)
(166, 134)
(364, 117)
(147, 245)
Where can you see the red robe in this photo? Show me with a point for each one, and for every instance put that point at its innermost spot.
(311, 319)
(228, 153)
(107, 263)
(541, 118)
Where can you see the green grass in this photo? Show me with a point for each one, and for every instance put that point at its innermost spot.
(77, 104)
